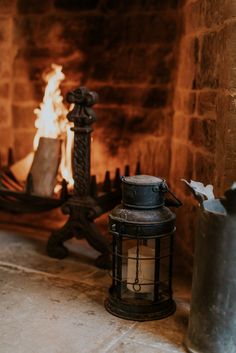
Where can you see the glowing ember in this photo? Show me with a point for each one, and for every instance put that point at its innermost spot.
(51, 120)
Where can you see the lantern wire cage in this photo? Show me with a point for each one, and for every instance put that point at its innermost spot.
(141, 277)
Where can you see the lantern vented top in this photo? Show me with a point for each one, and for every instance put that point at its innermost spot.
(143, 191)
(142, 180)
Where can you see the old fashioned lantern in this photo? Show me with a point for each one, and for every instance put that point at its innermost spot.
(142, 228)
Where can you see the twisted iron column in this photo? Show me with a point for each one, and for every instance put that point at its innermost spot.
(83, 116)
(81, 207)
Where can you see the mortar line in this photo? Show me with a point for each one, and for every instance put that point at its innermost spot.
(19, 268)
(202, 30)
(113, 343)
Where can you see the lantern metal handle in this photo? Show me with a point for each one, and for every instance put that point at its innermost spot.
(173, 203)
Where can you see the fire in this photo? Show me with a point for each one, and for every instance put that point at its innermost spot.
(51, 120)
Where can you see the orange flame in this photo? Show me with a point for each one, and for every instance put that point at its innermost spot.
(51, 120)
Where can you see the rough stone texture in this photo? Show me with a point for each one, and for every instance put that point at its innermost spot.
(7, 9)
(56, 306)
(23, 117)
(5, 114)
(202, 133)
(207, 101)
(126, 52)
(4, 90)
(5, 31)
(131, 54)
(27, 91)
(31, 6)
(204, 130)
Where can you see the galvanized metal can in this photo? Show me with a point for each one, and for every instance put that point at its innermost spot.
(212, 322)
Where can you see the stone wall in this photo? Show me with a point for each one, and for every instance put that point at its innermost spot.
(204, 123)
(125, 50)
(170, 104)
(7, 54)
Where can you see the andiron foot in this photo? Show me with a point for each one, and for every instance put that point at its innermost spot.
(55, 247)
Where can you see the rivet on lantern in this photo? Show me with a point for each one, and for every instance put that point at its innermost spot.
(142, 228)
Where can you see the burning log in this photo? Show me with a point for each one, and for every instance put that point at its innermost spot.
(45, 166)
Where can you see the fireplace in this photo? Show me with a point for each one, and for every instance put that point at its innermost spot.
(164, 71)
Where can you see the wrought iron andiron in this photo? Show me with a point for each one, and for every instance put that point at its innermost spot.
(83, 207)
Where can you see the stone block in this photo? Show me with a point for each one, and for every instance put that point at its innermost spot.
(227, 103)
(202, 14)
(151, 122)
(133, 96)
(5, 90)
(5, 114)
(121, 95)
(228, 76)
(207, 104)
(156, 98)
(32, 6)
(152, 152)
(129, 64)
(23, 116)
(181, 163)
(7, 6)
(216, 14)
(211, 67)
(161, 64)
(5, 31)
(34, 53)
(73, 32)
(202, 133)
(144, 28)
(5, 65)
(24, 91)
(111, 128)
(231, 149)
(205, 168)
(194, 16)
(43, 36)
(21, 69)
(25, 31)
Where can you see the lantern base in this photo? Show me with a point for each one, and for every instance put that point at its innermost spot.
(130, 311)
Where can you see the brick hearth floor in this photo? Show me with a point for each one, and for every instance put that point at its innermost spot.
(54, 306)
